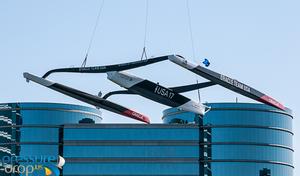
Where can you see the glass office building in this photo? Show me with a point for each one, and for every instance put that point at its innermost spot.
(232, 139)
(244, 139)
(132, 150)
(33, 129)
(249, 138)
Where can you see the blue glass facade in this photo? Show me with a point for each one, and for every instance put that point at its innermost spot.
(132, 149)
(232, 139)
(243, 139)
(33, 129)
(247, 138)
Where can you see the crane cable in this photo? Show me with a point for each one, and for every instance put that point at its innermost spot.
(145, 30)
(192, 41)
(93, 34)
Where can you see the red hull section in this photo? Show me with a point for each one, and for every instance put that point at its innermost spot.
(270, 101)
(136, 115)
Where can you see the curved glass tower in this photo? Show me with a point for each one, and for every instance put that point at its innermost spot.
(175, 116)
(244, 139)
(249, 137)
(33, 129)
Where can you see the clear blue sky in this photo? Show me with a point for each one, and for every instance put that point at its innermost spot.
(256, 42)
